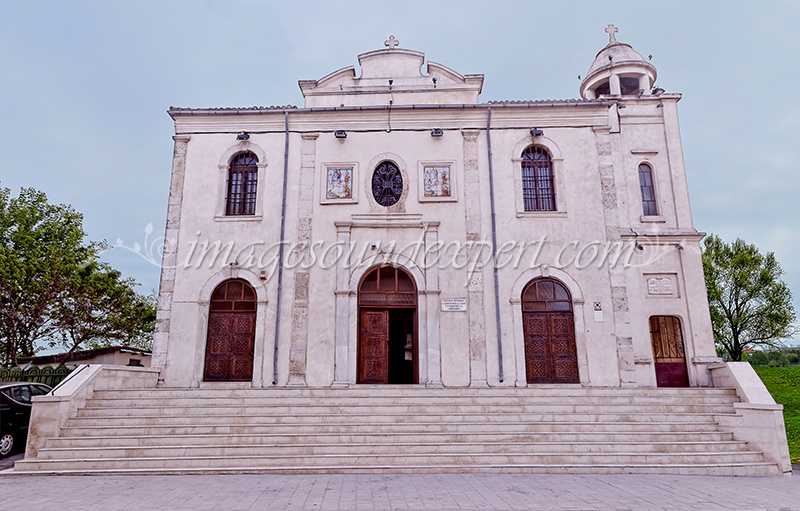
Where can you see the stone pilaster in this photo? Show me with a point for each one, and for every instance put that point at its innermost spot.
(343, 297)
(298, 351)
(169, 258)
(431, 297)
(619, 290)
(475, 286)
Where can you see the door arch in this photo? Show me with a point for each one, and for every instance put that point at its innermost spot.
(231, 332)
(387, 332)
(549, 333)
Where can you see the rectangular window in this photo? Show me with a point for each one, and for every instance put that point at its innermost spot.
(649, 206)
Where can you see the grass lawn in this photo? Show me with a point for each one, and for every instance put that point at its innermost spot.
(784, 385)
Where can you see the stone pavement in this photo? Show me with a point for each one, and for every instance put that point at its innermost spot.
(397, 492)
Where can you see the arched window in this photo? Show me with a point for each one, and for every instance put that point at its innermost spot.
(387, 285)
(538, 190)
(242, 181)
(387, 184)
(649, 206)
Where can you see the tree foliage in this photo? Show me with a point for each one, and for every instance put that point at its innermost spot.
(750, 304)
(53, 290)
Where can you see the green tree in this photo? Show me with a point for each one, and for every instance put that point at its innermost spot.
(750, 305)
(41, 246)
(779, 359)
(102, 308)
(792, 357)
(759, 358)
(52, 288)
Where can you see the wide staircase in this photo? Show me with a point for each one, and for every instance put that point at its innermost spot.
(554, 429)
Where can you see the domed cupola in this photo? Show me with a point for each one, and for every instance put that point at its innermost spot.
(618, 70)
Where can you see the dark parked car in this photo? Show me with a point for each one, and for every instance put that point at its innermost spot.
(15, 412)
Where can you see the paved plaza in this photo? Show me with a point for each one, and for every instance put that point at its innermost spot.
(398, 492)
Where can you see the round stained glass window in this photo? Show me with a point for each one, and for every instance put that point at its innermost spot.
(387, 184)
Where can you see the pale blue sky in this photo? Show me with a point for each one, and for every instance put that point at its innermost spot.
(86, 85)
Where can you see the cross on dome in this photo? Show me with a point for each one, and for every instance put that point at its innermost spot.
(611, 30)
(391, 42)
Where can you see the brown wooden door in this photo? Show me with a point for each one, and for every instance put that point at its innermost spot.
(549, 331)
(668, 354)
(550, 355)
(231, 333)
(229, 353)
(374, 346)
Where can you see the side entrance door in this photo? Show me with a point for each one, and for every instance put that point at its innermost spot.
(550, 348)
(668, 354)
(231, 333)
(549, 332)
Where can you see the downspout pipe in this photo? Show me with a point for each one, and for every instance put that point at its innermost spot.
(280, 247)
(494, 247)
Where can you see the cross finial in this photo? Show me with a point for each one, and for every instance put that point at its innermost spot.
(611, 30)
(391, 42)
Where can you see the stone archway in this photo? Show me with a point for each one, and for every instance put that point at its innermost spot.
(549, 333)
(230, 342)
(387, 332)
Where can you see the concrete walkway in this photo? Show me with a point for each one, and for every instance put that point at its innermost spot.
(398, 492)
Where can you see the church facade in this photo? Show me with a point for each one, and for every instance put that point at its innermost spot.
(397, 230)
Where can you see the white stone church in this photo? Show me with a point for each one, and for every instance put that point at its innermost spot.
(412, 262)
(404, 152)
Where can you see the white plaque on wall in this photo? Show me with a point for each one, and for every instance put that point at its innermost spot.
(454, 304)
(659, 286)
(598, 312)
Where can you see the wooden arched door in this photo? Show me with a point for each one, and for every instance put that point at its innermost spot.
(387, 334)
(549, 331)
(231, 332)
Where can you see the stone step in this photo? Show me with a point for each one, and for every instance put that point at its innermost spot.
(467, 426)
(369, 391)
(344, 400)
(177, 420)
(389, 460)
(402, 409)
(383, 438)
(393, 449)
(761, 469)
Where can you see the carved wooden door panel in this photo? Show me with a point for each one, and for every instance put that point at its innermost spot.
(562, 347)
(229, 350)
(550, 354)
(374, 346)
(537, 354)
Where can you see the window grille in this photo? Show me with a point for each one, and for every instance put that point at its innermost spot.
(242, 182)
(538, 190)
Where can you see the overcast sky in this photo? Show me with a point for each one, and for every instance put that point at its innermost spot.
(86, 85)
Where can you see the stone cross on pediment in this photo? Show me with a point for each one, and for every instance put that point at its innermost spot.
(391, 42)
(611, 30)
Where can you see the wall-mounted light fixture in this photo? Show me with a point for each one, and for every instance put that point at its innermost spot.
(243, 136)
(658, 91)
(340, 134)
(536, 132)
(437, 133)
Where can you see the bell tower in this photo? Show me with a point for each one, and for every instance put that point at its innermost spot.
(618, 70)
